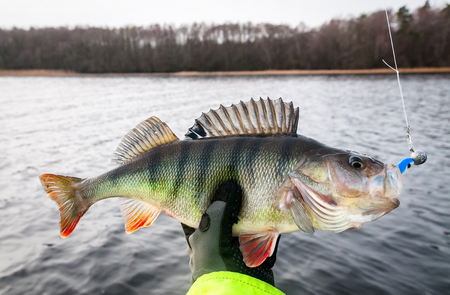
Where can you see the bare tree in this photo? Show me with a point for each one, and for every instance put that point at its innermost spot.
(422, 39)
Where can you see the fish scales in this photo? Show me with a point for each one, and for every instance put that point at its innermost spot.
(181, 177)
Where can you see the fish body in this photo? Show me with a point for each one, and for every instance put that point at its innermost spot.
(289, 182)
(181, 177)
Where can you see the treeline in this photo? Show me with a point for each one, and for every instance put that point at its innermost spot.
(422, 39)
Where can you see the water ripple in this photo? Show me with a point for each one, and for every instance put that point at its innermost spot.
(73, 125)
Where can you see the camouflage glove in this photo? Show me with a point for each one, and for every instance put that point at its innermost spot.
(212, 248)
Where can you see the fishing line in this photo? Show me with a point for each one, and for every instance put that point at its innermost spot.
(418, 157)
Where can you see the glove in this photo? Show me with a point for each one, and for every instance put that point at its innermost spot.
(212, 247)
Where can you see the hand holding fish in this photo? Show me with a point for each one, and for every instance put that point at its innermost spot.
(211, 246)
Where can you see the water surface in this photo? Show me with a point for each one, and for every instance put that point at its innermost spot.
(72, 125)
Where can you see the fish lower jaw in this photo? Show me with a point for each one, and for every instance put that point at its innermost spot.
(357, 221)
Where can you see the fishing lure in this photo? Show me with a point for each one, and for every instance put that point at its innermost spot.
(416, 157)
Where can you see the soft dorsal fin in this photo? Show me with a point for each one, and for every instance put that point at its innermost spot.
(146, 135)
(262, 117)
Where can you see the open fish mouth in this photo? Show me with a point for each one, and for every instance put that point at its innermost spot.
(323, 211)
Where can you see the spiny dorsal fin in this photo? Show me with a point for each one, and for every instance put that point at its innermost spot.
(146, 135)
(262, 117)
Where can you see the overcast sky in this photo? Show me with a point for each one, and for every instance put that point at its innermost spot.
(115, 13)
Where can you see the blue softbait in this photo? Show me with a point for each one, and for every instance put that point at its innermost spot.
(405, 164)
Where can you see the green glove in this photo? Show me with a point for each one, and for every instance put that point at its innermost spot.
(212, 248)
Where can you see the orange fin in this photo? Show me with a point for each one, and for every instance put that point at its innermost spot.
(137, 214)
(62, 189)
(256, 247)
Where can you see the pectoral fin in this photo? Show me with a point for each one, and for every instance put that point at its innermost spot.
(301, 218)
(288, 199)
(256, 247)
(137, 214)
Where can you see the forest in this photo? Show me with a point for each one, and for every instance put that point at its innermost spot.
(421, 37)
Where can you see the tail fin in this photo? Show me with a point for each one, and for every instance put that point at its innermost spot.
(61, 189)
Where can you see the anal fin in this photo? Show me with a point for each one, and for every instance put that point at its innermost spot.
(256, 247)
(137, 214)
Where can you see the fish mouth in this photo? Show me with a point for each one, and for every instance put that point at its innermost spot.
(325, 214)
(385, 188)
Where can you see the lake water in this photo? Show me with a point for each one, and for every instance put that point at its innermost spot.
(72, 125)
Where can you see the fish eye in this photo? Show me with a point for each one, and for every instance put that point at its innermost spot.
(356, 162)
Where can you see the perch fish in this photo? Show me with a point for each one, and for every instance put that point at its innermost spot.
(289, 182)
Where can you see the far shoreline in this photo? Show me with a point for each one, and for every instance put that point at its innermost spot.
(63, 73)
